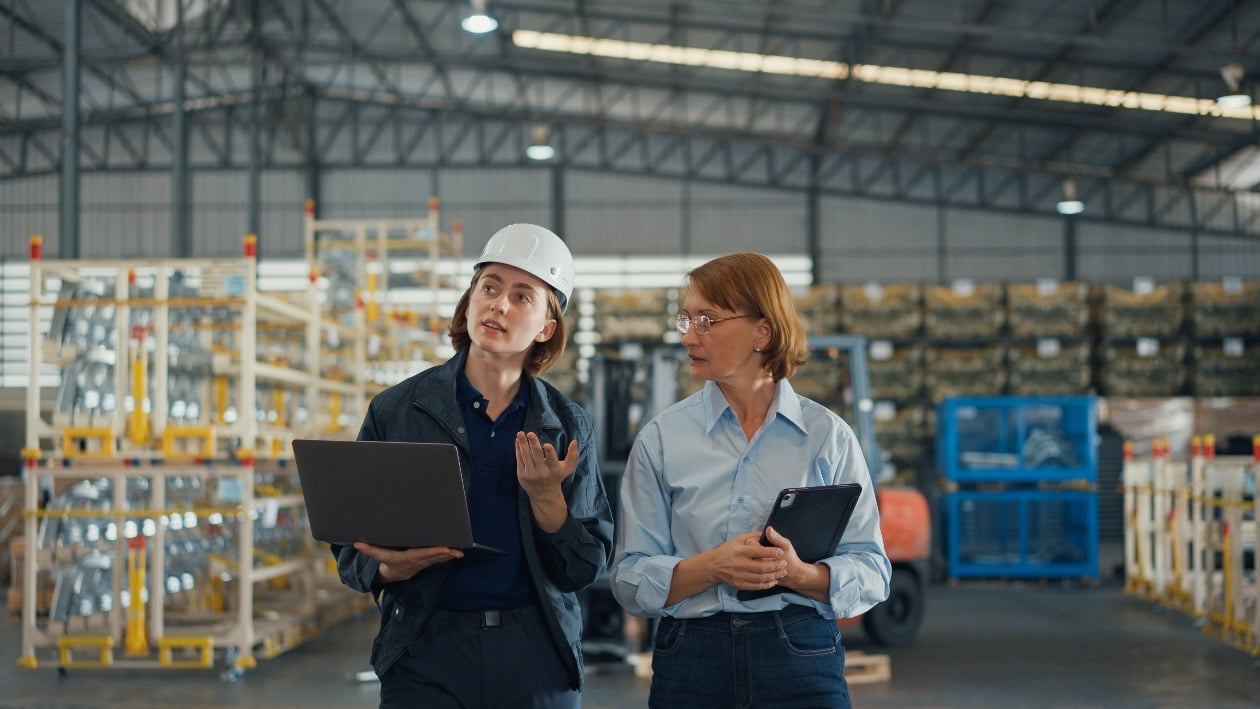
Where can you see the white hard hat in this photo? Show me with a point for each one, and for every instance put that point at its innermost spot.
(536, 251)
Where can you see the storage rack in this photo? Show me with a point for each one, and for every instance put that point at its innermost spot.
(174, 533)
(1191, 536)
(364, 265)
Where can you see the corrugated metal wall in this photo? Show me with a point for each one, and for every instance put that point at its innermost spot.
(127, 215)
(877, 240)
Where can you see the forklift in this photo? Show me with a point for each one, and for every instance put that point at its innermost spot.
(627, 388)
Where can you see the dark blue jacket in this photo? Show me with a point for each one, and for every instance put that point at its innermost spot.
(423, 408)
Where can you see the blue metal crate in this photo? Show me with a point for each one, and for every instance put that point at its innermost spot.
(1017, 439)
(1022, 534)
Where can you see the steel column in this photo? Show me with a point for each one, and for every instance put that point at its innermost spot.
(68, 238)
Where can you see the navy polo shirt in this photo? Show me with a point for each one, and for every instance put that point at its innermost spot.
(499, 583)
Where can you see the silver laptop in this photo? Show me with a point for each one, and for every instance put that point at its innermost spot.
(397, 495)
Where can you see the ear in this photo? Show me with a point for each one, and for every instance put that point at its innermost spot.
(763, 333)
(546, 332)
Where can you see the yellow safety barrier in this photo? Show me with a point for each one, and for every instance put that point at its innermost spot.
(103, 644)
(202, 644)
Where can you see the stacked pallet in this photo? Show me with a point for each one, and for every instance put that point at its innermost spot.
(896, 371)
(1228, 308)
(1146, 311)
(1143, 348)
(1048, 309)
(964, 311)
(905, 433)
(822, 379)
(1226, 369)
(1049, 366)
(642, 315)
(952, 371)
(882, 312)
(819, 308)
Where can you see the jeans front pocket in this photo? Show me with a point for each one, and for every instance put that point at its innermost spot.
(811, 637)
(669, 635)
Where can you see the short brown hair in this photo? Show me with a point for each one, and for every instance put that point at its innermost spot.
(749, 282)
(541, 356)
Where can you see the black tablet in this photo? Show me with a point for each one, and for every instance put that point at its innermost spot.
(814, 519)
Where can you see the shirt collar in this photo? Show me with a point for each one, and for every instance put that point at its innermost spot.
(466, 393)
(785, 404)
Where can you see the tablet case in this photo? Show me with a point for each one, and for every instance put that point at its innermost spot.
(814, 519)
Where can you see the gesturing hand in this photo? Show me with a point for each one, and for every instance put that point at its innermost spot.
(540, 473)
(402, 564)
(539, 469)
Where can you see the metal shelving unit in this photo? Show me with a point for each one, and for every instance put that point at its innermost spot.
(161, 503)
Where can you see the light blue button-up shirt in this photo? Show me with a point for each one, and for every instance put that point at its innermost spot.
(694, 480)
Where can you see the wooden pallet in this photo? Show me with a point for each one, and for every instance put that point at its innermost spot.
(860, 668)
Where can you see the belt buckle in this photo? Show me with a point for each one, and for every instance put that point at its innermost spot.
(491, 619)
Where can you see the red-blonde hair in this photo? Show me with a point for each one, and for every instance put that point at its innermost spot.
(749, 282)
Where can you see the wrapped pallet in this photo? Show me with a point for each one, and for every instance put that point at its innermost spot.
(819, 308)
(1146, 311)
(1147, 367)
(964, 311)
(951, 371)
(639, 315)
(1226, 370)
(1049, 367)
(891, 312)
(1048, 309)
(1228, 308)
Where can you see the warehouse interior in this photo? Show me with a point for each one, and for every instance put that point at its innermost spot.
(1024, 240)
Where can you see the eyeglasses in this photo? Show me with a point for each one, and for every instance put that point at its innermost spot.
(704, 323)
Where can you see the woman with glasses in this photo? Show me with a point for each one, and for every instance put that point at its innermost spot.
(504, 631)
(699, 484)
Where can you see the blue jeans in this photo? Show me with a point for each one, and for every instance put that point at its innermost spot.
(789, 658)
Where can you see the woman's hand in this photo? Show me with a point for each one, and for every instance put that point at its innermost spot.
(812, 580)
(402, 564)
(540, 472)
(742, 562)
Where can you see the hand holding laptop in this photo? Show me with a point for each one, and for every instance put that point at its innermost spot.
(402, 564)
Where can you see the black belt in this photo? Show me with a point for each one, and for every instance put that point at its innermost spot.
(477, 619)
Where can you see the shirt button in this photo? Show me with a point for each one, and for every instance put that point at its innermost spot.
(476, 404)
(460, 429)
(740, 500)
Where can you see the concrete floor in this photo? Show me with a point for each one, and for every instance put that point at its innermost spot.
(990, 645)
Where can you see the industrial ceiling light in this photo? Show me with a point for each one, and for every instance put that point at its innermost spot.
(541, 148)
(1069, 205)
(479, 21)
(876, 74)
(1237, 96)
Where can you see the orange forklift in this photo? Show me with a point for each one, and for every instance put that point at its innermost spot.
(903, 512)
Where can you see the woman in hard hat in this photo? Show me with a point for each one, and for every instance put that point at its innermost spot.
(506, 631)
(698, 487)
